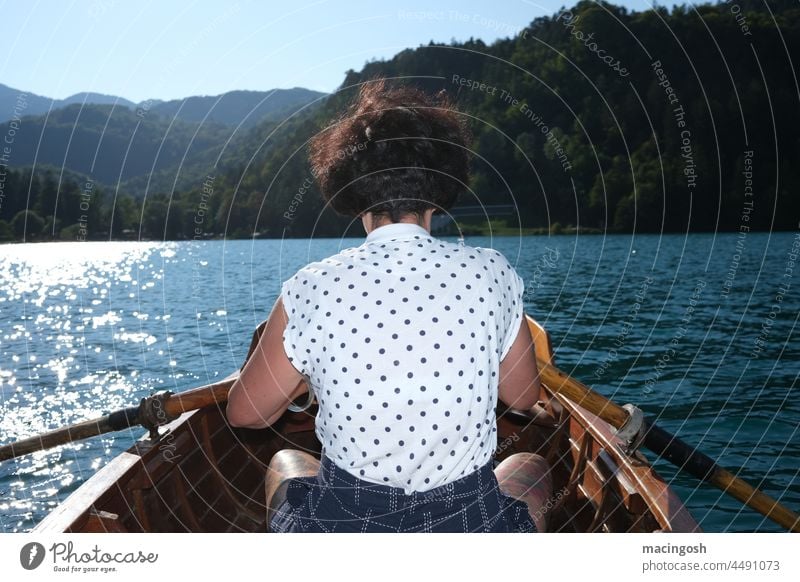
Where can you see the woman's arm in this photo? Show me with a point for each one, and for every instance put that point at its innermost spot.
(519, 375)
(269, 382)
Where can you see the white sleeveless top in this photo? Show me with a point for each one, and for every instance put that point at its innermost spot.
(401, 340)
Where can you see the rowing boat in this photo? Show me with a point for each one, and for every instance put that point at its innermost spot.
(202, 475)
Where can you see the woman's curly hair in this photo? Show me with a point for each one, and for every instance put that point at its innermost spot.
(395, 151)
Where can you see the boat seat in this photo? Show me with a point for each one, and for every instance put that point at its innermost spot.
(524, 476)
(286, 464)
(527, 477)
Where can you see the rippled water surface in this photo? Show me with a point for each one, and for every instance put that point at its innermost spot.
(699, 331)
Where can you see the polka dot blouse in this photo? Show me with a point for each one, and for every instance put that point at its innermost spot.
(401, 340)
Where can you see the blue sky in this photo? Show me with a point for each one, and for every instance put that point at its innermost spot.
(168, 49)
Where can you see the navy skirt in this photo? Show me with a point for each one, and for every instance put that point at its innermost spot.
(336, 501)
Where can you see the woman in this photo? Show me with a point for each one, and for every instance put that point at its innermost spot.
(407, 341)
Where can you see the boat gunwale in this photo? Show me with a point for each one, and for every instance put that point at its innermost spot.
(73, 511)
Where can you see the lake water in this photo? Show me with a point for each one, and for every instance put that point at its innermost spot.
(699, 331)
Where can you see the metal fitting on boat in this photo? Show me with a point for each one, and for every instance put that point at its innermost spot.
(633, 430)
(152, 413)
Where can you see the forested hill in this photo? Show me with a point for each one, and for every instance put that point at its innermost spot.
(662, 143)
(144, 146)
(595, 117)
(15, 102)
(234, 108)
(111, 144)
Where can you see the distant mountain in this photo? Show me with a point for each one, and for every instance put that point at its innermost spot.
(110, 144)
(17, 103)
(95, 99)
(247, 108)
(148, 147)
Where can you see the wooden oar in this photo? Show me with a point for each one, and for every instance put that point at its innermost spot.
(670, 447)
(155, 412)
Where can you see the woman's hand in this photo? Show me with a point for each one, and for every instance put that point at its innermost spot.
(269, 382)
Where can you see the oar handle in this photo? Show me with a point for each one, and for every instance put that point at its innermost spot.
(670, 447)
(561, 382)
(216, 393)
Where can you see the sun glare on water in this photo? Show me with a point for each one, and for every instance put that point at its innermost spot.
(71, 349)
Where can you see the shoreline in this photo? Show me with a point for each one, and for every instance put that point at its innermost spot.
(525, 232)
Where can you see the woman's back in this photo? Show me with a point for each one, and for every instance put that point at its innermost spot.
(407, 341)
(401, 339)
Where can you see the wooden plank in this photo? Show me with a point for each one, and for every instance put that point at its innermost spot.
(541, 340)
(156, 466)
(223, 482)
(74, 512)
(631, 497)
(77, 506)
(664, 504)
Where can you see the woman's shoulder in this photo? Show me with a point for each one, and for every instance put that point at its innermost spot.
(328, 266)
(493, 257)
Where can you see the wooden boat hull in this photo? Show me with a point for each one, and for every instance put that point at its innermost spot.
(204, 476)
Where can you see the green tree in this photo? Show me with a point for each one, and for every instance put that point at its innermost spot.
(69, 233)
(154, 220)
(44, 203)
(27, 225)
(125, 216)
(6, 233)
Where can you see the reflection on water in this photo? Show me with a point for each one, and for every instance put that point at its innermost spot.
(87, 328)
(65, 323)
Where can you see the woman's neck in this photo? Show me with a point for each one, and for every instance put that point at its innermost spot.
(372, 221)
